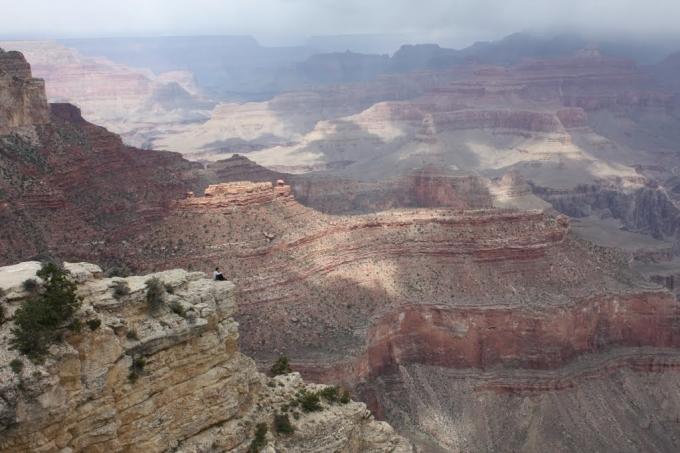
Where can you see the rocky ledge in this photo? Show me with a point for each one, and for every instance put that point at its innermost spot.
(241, 193)
(134, 379)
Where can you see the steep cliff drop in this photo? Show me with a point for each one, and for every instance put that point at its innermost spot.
(173, 379)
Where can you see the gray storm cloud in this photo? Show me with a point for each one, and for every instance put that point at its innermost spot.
(442, 20)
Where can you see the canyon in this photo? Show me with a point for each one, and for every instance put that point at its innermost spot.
(405, 304)
(415, 250)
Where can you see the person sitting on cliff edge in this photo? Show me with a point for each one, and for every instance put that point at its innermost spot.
(217, 275)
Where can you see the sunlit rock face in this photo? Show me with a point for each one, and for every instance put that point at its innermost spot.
(538, 103)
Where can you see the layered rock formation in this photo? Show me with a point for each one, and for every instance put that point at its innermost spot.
(556, 125)
(399, 302)
(194, 391)
(22, 98)
(429, 186)
(647, 210)
(506, 311)
(128, 101)
(74, 184)
(237, 194)
(481, 118)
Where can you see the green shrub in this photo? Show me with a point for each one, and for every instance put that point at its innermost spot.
(330, 394)
(177, 308)
(281, 366)
(76, 326)
(282, 424)
(155, 292)
(136, 368)
(132, 335)
(260, 439)
(117, 271)
(16, 365)
(94, 324)
(345, 398)
(31, 285)
(120, 289)
(41, 318)
(309, 401)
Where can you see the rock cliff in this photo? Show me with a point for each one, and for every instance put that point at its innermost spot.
(193, 391)
(22, 98)
(75, 183)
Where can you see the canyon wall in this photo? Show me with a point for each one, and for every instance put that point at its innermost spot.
(503, 304)
(75, 183)
(22, 98)
(193, 392)
(647, 210)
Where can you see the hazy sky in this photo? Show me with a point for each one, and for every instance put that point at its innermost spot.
(446, 21)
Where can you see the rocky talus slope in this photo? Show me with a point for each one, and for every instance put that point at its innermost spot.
(194, 392)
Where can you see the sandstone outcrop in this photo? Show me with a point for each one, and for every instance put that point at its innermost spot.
(22, 98)
(429, 186)
(194, 391)
(243, 193)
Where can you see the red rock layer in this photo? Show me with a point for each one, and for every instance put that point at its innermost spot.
(77, 187)
(485, 338)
